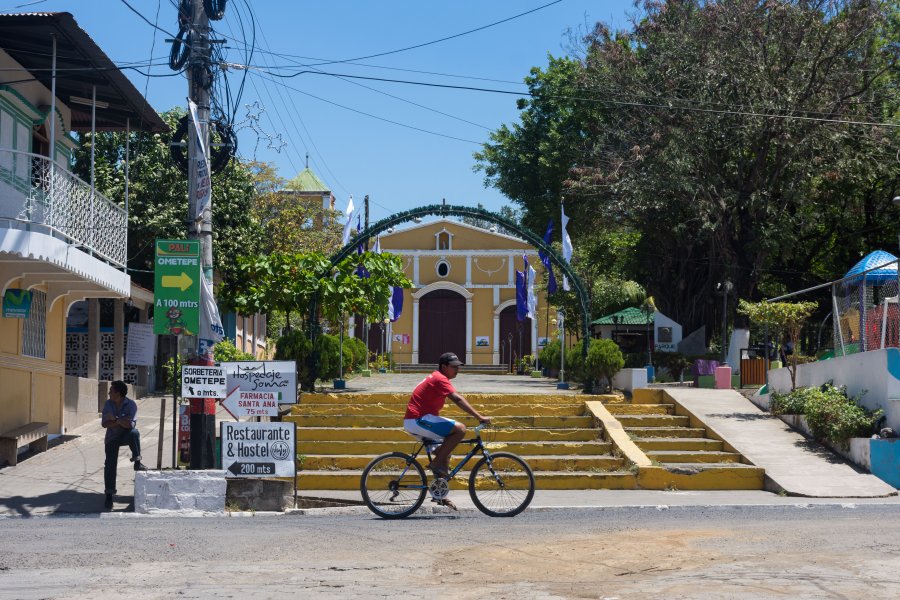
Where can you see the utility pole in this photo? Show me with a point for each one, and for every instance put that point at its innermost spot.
(365, 327)
(199, 74)
(199, 174)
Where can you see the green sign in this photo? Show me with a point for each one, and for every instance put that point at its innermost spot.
(176, 293)
(17, 304)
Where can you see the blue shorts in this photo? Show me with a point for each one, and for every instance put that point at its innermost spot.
(430, 427)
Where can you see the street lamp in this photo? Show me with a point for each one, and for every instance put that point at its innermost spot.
(649, 309)
(384, 324)
(562, 384)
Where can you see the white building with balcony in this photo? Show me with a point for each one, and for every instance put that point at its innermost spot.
(61, 242)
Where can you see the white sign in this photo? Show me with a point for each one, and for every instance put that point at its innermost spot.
(141, 347)
(278, 376)
(202, 382)
(251, 404)
(259, 449)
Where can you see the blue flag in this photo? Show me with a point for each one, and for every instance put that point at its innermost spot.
(395, 306)
(545, 259)
(521, 296)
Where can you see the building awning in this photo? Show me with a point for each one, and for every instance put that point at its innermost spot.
(80, 65)
(626, 316)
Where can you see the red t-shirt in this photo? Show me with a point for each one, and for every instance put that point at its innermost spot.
(429, 396)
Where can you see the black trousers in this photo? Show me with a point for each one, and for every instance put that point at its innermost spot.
(128, 437)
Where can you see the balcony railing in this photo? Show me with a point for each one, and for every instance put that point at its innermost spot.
(38, 193)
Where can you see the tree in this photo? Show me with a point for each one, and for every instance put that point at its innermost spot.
(506, 211)
(604, 360)
(158, 202)
(787, 317)
(292, 223)
(710, 132)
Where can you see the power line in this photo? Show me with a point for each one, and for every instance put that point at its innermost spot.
(443, 39)
(145, 19)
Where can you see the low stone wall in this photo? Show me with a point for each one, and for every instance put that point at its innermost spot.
(260, 494)
(183, 491)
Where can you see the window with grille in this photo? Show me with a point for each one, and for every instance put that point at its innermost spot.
(35, 327)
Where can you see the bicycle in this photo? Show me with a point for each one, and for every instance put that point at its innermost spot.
(394, 485)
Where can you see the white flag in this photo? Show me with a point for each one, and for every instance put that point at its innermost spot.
(349, 214)
(566, 245)
(532, 297)
(211, 330)
(377, 247)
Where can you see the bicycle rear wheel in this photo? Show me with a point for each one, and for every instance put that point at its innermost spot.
(502, 488)
(393, 485)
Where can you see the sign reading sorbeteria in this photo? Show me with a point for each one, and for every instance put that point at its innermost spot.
(259, 449)
(202, 382)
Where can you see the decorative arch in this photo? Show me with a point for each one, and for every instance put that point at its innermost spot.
(443, 285)
(446, 210)
(503, 306)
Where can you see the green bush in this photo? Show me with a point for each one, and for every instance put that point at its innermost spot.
(676, 364)
(575, 363)
(226, 351)
(831, 415)
(359, 354)
(549, 355)
(604, 360)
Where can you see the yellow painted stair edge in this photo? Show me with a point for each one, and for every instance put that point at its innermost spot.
(617, 435)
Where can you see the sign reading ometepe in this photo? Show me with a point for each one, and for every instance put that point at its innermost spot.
(203, 382)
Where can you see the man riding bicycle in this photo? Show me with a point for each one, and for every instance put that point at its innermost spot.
(423, 420)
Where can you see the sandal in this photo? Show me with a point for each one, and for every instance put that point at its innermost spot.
(446, 502)
(439, 473)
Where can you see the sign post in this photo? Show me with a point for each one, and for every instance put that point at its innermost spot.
(176, 294)
(202, 384)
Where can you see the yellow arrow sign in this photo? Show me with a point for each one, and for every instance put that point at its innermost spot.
(182, 281)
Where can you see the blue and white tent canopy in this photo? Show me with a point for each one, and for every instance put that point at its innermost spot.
(878, 258)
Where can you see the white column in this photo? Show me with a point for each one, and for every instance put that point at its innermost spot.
(511, 278)
(415, 331)
(118, 339)
(496, 343)
(534, 332)
(143, 376)
(496, 291)
(93, 339)
(469, 271)
(351, 326)
(415, 276)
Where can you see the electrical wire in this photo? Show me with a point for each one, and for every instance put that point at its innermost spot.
(145, 19)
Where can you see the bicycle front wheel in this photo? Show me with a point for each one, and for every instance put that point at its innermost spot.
(393, 485)
(502, 487)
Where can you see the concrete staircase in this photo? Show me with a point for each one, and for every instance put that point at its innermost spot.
(339, 434)
(470, 368)
(570, 441)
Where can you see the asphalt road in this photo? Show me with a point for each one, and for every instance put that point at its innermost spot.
(686, 552)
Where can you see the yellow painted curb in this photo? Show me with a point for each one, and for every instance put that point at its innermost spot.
(617, 435)
(719, 478)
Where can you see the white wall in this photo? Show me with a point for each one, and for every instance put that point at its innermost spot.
(876, 372)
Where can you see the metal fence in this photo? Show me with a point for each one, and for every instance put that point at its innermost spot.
(864, 309)
(36, 191)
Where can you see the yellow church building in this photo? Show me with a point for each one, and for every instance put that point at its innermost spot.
(463, 297)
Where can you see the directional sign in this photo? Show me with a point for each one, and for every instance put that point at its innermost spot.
(176, 293)
(202, 382)
(278, 376)
(251, 404)
(259, 449)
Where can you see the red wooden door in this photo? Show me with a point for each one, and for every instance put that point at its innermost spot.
(515, 337)
(442, 325)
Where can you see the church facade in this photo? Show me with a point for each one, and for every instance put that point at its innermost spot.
(463, 297)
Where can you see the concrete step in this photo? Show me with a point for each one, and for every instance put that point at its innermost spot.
(374, 448)
(392, 421)
(475, 398)
(374, 434)
(341, 462)
(703, 456)
(544, 480)
(450, 409)
(430, 368)
(628, 421)
(666, 432)
(679, 444)
(639, 409)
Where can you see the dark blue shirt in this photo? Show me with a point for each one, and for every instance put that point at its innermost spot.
(127, 410)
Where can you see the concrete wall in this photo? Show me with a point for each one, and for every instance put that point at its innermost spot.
(877, 373)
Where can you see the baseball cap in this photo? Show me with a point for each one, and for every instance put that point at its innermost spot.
(448, 358)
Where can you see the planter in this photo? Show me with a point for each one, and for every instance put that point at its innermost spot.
(630, 379)
(340, 384)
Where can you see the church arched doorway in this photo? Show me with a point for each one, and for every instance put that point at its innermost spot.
(515, 337)
(442, 325)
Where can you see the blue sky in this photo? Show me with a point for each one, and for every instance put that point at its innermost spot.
(399, 167)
